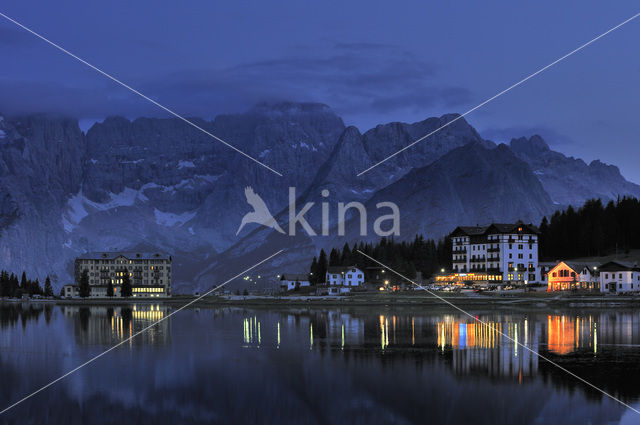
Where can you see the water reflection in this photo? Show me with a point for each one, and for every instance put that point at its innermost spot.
(108, 325)
(317, 365)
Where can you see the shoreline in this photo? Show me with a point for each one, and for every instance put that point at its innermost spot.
(540, 301)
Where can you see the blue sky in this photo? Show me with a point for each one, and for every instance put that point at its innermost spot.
(372, 62)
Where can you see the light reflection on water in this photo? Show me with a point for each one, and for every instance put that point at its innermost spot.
(316, 365)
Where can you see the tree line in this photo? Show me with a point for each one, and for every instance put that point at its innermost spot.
(592, 230)
(12, 287)
(407, 257)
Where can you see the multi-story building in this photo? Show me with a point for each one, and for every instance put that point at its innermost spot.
(498, 253)
(340, 280)
(617, 276)
(149, 273)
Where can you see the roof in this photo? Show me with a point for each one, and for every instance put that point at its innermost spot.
(517, 227)
(616, 266)
(577, 267)
(340, 269)
(129, 255)
(295, 276)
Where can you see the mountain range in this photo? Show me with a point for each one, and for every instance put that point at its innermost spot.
(160, 184)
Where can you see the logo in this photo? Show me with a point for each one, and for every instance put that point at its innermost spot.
(260, 214)
(384, 225)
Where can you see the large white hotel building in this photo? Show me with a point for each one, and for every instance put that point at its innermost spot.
(149, 273)
(495, 254)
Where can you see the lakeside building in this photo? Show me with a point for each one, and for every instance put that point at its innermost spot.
(617, 276)
(569, 275)
(340, 280)
(150, 273)
(495, 254)
(291, 281)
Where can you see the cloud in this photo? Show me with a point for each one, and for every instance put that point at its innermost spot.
(353, 78)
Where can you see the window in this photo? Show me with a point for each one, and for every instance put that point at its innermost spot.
(510, 246)
(530, 256)
(519, 255)
(619, 275)
(520, 246)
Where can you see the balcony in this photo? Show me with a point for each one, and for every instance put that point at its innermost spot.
(493, 249)
(493, 270)
(463, 261)
(478, 260)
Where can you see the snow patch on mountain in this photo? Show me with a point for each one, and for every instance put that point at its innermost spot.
(79, 206)
(172, 220)
(185, 164)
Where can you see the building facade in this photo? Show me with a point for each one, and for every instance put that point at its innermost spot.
(291, 281)
(568, 275)
(149, 273)
(350, 276)
(617, 277)
(495, 254)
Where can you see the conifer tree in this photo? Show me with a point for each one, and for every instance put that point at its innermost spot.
(126, 290)
(48, 289)
(84, 289)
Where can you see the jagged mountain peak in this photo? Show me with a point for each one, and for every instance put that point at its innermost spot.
(162, 182)
(530, 146)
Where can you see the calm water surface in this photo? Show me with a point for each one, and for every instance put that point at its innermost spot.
(317, 366)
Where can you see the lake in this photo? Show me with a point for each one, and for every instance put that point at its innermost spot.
(315, 365)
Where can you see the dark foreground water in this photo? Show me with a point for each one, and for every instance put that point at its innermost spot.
(317, 366)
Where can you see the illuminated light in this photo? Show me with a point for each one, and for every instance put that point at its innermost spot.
(413, 331)
(278, 346)
(342, 345)
(310, 336)
(515, 346)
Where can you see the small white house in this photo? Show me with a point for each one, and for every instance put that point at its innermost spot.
(350, 276)
(616, 276)
(70, 291)
(291, 281)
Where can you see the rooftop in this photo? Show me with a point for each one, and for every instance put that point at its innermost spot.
(493, 228)
(129, 255)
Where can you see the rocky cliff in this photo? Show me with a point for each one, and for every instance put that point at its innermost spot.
(160, 184)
